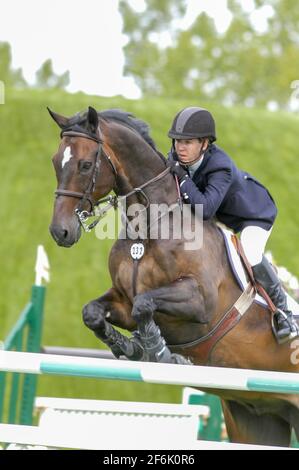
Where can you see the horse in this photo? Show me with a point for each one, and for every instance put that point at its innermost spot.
(169, 297)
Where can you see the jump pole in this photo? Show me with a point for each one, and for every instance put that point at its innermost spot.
(149, 372)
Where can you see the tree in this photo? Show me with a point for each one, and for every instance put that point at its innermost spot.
(9, 76)
(144, 57)
(243, 65)
(46, 77)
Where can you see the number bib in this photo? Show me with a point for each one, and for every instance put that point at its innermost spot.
(137, 250)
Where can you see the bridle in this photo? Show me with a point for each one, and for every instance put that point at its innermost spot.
(87, 195)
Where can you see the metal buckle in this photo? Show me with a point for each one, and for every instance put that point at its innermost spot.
(83, 216)
(98, 213)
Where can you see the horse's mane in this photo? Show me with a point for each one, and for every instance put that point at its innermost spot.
(125, 118)
(129, 120)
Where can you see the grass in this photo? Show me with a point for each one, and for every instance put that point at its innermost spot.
(260, 142)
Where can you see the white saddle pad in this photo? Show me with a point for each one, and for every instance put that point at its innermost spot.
(240, 275)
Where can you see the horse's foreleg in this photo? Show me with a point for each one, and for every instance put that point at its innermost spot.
(113, 308)
(247, 426)
(181, 299)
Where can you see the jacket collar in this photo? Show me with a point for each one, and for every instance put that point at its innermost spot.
(206, 158)
(207, 155)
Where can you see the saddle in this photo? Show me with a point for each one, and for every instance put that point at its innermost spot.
(251, 292)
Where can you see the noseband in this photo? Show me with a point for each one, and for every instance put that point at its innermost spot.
(87, 195)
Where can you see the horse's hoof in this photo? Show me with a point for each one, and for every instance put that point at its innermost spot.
(143, 309)
(179, 359)
(93, 316)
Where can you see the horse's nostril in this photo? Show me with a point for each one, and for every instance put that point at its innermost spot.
(66, 234)
(60, 234)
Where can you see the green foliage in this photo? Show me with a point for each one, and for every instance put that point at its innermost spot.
(243, 65)
(46, 77)
(9, 76)
(144, 60)
(260, 142)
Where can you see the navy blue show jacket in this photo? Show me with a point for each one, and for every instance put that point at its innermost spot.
(233, 196)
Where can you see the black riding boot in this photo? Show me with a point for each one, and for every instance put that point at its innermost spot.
(286, 327)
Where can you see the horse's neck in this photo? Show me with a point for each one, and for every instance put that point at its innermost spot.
(143, 175)
(139, 165)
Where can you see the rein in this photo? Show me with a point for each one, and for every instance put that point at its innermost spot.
(87, 195)
(114, 201)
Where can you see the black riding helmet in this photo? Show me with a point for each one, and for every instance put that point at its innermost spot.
(193, 123)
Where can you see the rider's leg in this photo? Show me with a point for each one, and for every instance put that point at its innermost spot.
(254, 240)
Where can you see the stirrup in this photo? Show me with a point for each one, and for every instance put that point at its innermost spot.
(291, 325)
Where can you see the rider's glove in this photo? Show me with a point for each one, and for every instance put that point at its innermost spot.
(178, 170)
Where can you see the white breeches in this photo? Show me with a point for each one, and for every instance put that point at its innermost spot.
(254, 240)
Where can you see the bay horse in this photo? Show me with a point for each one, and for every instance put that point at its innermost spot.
(169, 297)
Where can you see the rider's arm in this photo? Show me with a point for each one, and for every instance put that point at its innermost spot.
(218, 183)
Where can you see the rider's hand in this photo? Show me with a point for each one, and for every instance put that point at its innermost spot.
(178, 170)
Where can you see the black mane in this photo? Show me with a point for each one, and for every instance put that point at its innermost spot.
(123, 117)
(131, 121)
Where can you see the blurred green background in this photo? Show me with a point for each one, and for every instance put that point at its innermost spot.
(261, 142)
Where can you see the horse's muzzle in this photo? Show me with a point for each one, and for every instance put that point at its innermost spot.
(64, 236)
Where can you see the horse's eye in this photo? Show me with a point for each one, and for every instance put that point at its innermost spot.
(84, 165)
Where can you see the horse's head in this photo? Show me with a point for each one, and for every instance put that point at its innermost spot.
(83, 176)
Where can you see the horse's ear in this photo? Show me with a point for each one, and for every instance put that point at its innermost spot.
(60, 120)
(93, 119)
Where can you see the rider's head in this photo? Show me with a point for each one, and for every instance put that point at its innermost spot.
(192, 130)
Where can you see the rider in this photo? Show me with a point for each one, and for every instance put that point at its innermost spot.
(208, 176)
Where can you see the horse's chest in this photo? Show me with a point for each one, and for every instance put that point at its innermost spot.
(140, 275)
